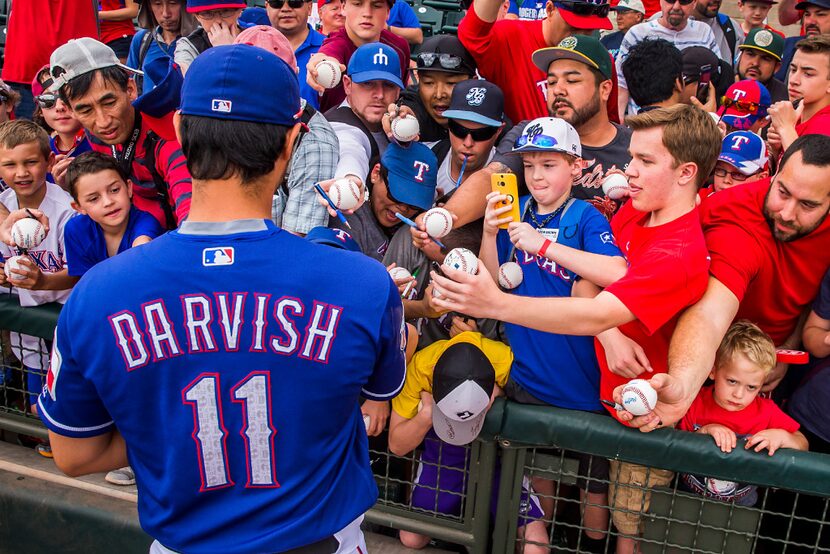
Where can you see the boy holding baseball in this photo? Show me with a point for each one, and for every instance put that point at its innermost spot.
(108, 223)
(555, 369)
(731, 409)
(40, 275)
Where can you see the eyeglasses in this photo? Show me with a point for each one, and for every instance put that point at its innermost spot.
(46, 100)
(736, 175)
(446, 61)
(478, 135)
(293, 4)
(217, 14)
(744, 106)
(586, 8)
(543, 141)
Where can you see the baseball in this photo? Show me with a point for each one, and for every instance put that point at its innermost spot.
(406, 128)
(367, 420)
(639, 398)
(328, 73)
(720, 487)
(462, 259)
(510, 275)
(345, 194)
(399, 273)
(13, 263)
(28, 233)
(615, 186)
(438, 222)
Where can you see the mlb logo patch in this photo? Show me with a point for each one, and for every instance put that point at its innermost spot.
(222, 255)
(221, 106)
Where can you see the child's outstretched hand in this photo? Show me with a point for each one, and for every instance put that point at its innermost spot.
(771, 439)
(725, 438)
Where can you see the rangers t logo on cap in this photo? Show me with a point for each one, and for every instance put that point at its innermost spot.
(421, 168)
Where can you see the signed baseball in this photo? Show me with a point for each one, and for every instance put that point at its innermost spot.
(615, 186)
(345, 194)
(328, 73)
(510, 275)
(405, 128)
(367, 420)
(462, 259)
(399, 273)
(438, 222)
(639, 397)
(13, 263)
(28, 233)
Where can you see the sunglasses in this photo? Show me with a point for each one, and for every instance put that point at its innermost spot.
(744, 106)
(586, 8)
(293, 4)
(736, 175)
(478, 135)
(543, 141)
(46, 100)
(446, 61)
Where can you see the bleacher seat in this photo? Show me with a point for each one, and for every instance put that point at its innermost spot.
(432, 20)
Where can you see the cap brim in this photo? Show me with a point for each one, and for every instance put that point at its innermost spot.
(764, 50)
(544, 57)
(747, 167)
(406, 191)
(584, 21)
(452, 431)
(365, 76)
(220, 6)
(472, 116)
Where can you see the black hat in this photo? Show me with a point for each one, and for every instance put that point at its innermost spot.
(477, 100)
(446, 54)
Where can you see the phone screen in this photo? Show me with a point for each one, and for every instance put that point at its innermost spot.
(702, 93)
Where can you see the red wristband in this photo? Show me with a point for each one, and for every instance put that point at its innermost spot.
(544, 247)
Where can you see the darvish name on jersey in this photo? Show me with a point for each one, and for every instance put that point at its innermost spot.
(151, 335)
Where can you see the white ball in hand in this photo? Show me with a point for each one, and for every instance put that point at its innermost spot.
(615, 186)
(405, 128)
(328, 74)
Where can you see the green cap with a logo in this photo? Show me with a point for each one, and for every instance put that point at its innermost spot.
(766, 41)
(580, 48)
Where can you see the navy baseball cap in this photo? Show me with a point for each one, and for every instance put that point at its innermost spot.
(413, 174)
(337, 238)
(157, 106)
(219, 85)
(477, 100)
(375, 62)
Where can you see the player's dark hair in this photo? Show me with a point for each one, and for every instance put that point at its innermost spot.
(220, 149)
(651, 70)
(815, 150)
(90, 163)
(113, 76)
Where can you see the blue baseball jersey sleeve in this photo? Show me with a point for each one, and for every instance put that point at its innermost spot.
(402, 15)
(231, 357)
(86, 245)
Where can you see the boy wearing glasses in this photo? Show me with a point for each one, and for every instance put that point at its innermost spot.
(743, 159)
(217, 26)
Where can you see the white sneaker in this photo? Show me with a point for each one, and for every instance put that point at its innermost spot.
(123, 476)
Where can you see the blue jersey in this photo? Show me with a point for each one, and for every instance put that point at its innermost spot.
(231, 357)
(86, 245)
(561, 370)
(527, 9)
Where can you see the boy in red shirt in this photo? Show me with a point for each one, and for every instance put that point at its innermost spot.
(731, 408)
(673, 151)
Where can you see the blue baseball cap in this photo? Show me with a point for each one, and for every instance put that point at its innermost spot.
(413, 174)
(744, 151)
(251, 17)
(375, 62)
(157, 105)
(196, 6)
(745, 103)
(219, 85)
(337, 238)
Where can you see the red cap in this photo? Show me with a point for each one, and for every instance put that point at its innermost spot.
(571, 13)
(792, 356)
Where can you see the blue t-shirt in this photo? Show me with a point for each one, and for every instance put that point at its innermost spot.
(81, 145)
(86, 245)
(528, 9)
(402, 15)
(560, 370)
(231, 357)
(156, 50)
(303, 53)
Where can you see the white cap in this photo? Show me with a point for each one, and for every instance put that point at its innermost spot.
(633, 5)
(549, 134)
(79, 56)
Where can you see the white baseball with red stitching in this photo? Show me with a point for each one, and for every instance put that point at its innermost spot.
(345, 194)
(28, 233)
(639, 397)
(438, 222)
(328, 74)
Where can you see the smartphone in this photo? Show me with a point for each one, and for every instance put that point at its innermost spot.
(505, 183)
(702, 93)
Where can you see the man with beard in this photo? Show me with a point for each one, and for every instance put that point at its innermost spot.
(727, 31)
(768, 246)
(816, 22)
(673, 25)
(759, 58)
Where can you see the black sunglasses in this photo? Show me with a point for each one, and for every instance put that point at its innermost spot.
(478, 135)
(446, 61)
(46, 100)
(586, 8)
(294, 4)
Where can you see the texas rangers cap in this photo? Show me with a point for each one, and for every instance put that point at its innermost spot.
(445, 54)
(477, 100)
(196, 6)
(157, 106)
(766, 41)
(219, 85)
(337, 238)
(375, 62)
(590, 14)
(745, 151)
(745, 103)
(413, 174)
(270, 39)
(549, 134)
(630, 6)
(462, 383)
(80, 56)
(580, 48)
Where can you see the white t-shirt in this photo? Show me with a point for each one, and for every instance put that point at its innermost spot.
(445, 181)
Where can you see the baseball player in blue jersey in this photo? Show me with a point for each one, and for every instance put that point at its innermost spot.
(230, 355)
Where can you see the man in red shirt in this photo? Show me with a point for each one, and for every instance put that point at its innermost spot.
(365, 23)
(768, 243)
(503, 49)
(809, 82)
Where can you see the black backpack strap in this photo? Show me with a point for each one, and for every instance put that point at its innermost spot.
(344, 114)
(151, 143)
(441, 149)
(728, 29)
(199, 39)
(144, 47)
